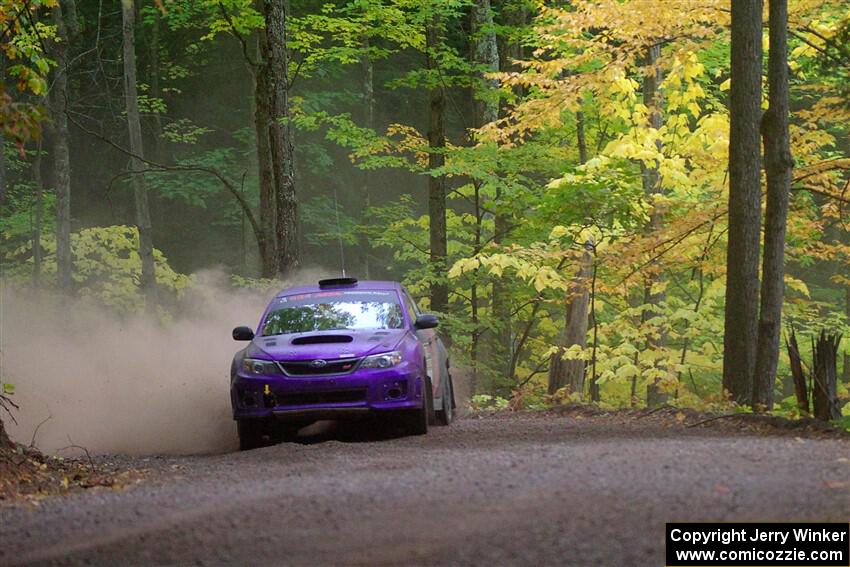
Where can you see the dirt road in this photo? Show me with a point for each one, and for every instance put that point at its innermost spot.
(494, 491)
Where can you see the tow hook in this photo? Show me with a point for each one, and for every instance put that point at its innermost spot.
(268, 397)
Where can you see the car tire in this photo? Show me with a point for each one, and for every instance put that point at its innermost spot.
(253, 434)
(446, 415)
(429, 399)
(415, 422)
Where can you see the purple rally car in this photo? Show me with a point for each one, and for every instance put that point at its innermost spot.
(338, 350)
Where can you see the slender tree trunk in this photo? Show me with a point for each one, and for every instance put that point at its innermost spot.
(265, 174)
(2, 146)
(473, 294)
(61, 154)
(798, 376)
(156, 91)
(571, 372)
(778, 168)
(437, 183)
(280, 139)
(37, 254)
(742, 259)
(655, 395)
(825, 403)
(595, 393)
(485, 56)
(847, 352)
(581, 141)
(368, 87)
(2, 165)
(143, 218)
(514, 15)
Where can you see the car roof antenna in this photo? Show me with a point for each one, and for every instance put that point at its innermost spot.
(339, 236)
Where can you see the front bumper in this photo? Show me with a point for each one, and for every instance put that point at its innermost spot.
(311, 398)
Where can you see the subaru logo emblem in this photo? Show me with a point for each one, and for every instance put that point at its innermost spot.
(319, 363)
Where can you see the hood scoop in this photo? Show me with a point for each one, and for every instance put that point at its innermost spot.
(322, 339)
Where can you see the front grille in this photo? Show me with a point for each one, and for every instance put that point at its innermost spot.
(329, 397)
(311, 368)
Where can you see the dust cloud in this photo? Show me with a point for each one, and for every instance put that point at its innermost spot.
(128, 385)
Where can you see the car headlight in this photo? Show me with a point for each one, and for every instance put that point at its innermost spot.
(385, 360)
(260, 367)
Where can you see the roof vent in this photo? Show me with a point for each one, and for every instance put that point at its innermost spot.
(337, 282)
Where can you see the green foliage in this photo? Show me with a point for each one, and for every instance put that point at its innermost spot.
(327, 224)
(522, 208)
(484, 402)
(107, 267)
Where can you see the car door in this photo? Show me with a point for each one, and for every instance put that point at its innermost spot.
(429, 339)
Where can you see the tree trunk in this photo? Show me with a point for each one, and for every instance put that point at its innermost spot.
(485, 56)
(581, 141)
(742, 260)
(655, 395)
(137, 164)
(437, 183)
(156, 91)
(37, 253)
(280, 139)
(61, 154)
(571, 373)
(265, 175)
(2, 143)
(368, 87)
(513, 16)
(847, 352)
(778, 166)
(595, 393)
(825, 403)
(798, 376)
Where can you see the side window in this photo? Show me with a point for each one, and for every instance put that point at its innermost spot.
(410, 306)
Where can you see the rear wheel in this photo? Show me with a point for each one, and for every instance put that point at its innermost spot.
(446, 415)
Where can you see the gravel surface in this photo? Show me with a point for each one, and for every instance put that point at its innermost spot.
(521, 490)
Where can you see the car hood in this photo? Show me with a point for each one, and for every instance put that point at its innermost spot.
(330, 344)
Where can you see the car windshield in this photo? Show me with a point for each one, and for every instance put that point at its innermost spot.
(334, 310)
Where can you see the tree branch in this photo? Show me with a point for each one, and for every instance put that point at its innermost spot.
(160, 168)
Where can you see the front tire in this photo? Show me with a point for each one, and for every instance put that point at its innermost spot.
(446, 415)
(253, 434)
(415, 422)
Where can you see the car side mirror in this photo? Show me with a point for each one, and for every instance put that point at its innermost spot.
(426, 321)
(243, 334)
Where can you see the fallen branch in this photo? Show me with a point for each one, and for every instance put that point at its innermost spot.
(80, 447)
(715, 418)
(37, 427)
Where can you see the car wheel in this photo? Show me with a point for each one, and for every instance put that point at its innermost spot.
(415, 422)
(429, 399)
(446, 415)
(253, 434)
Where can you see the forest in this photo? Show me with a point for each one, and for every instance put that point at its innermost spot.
(621, 202)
